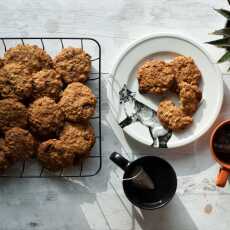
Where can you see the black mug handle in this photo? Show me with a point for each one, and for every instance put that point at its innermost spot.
(119, 160)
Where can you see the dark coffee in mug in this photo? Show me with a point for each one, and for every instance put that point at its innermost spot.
(164, 183)
(149, 182)
(220, 149)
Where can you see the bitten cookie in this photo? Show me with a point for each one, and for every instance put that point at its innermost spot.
(155, 77)
(185, 70)
(190, 96)
(172, 117)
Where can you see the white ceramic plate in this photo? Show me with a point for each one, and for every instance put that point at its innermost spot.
(136, 113)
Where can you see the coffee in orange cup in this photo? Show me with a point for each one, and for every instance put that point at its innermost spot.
(220, 148)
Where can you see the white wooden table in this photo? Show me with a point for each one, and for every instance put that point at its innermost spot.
(98, 203)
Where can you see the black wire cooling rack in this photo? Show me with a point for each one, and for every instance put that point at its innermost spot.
(92, 165)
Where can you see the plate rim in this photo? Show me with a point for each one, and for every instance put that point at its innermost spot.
(179, 36)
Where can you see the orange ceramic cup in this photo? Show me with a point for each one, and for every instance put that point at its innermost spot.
(224, 171)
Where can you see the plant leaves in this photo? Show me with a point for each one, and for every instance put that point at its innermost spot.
(223, 42)
(225, 57)
(224, 32)
(223, 12)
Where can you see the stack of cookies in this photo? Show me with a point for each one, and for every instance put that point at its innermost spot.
(180, 76)
(45, 107)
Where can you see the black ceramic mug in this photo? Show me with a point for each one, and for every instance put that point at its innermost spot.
(161, 173)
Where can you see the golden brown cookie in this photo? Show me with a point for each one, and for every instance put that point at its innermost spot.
(47, 83)
(73, 64)
(4, 162)
(12, 114)
(1, 62)
(20, 144)
(78, 102)
(15, 82)
(155, 77)
(79, 137)
(185, 71)
(45, 117)
(190, 96)
(30, 56)
(172, 117)
(55, 155)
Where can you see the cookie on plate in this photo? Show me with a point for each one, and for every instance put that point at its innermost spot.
(78, 102)
(45, 117)
(155, 77)
(185, 71)
(190, 97)
(172, 117)
(12, 114)
(30, 56)
(48, 83)
(73, 64)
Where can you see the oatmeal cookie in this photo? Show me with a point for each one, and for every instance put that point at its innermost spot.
(172, 117)
(46, 83)
(185, 71)
(73, 64)
(55, 155)
(45, 117)
(155, 77)
(79, 137)
(20, 144)
(78, 102)
(1, 62)
(4, 162)
(190, 96)
(12, 114)
(15, 82)
(30, 56)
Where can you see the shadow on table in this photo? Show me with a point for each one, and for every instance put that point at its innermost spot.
(56, 203)
(172, 216)
(187, 160)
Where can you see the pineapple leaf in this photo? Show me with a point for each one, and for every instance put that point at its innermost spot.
(225, 57)
(224, 42)
(224, 32)
(223, 12)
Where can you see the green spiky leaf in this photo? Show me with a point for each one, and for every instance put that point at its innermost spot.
(224, 42)
(224, 12)
(224, 32)
(225, 57)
